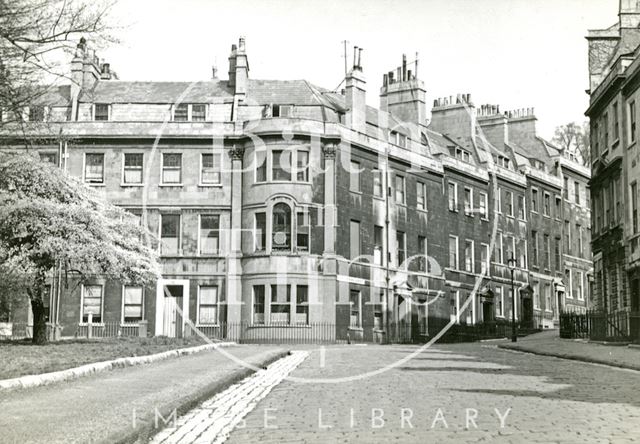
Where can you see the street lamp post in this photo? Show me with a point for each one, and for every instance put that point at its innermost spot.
(512, 262)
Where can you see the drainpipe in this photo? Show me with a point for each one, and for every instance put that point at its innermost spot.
(386, 262)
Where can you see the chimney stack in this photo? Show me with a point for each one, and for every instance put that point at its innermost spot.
(239, 67)
(356, 94)
(456, 118)
(404, 97)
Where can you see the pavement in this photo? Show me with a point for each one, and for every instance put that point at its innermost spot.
(548, 343)
(449, 393)
(124, 404)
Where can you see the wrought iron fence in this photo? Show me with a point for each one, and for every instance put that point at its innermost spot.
(330, 333)
(600, 326)
(107, 330)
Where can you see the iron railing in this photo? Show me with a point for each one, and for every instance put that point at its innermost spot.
(601, 326)
(330, 333)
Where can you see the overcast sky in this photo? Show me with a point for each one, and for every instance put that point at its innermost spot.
(515, 53)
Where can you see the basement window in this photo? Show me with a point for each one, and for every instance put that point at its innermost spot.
(281, 110)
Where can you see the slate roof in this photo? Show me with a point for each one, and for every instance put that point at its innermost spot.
(55, 96)
(120, 91)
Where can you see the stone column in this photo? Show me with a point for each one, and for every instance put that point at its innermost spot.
(234, 257)
(329, 150)
(328, 292)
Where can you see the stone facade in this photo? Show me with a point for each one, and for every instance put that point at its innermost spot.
(282, 206)
(614, 99)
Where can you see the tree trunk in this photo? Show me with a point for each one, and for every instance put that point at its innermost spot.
(37, 308)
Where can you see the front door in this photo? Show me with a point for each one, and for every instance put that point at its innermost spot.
(172, 307)
(172, 320)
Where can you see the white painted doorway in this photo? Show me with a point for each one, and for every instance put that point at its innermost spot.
(172, 307)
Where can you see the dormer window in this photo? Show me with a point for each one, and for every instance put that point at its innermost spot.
(398, 139)
(36, 113)
(463, 155)
(281, 110)
(190, 112)
(198, 113)
(181, 112)
(101, 111)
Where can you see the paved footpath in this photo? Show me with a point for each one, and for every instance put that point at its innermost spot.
(452, 393)
(213, 420)
(116, 405)
(549, 343)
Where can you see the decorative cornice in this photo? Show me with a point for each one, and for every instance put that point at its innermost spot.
(237, 152)
(329, 150)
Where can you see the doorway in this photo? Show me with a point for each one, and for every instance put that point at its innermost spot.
(172, 307)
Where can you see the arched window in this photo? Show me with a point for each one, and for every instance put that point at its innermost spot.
(281, 230)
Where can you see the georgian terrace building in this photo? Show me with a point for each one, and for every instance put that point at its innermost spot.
(280, 205)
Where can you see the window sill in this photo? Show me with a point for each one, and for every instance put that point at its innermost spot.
(91, 184)
(422, 210)
(167, 185)
(131, 185)
(380, 198)
(355, 328)
(453, 210)
(356, 192)
(210, 185)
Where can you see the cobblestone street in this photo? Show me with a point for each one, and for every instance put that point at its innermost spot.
(449, 393)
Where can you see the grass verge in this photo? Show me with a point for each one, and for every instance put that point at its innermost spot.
(20, 358)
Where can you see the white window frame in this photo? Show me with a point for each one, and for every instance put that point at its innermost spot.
(468, 211)
(499, 246)
(510, 196)
(84, 170)
(171, 184)
(499, 201)
(455, 196)
(485, 266)
(457, 264)
(124, 286)
(82, 290)
(199, 245)
(524, 207)
(455, 317)
(484, 197)
(473, 256)
(217, 321)
(124, 183)
(179, 232)
(256, 166)
(535, 191)
(546, 196)
(201, 183)
(359, 320)
(421, 186)
(501, 292)
(404, 189)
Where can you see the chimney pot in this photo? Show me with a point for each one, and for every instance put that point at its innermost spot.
(355, 56)
(436, 103)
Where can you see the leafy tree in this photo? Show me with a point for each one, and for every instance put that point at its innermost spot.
(574, 138)
(49, 217)
(36, 40)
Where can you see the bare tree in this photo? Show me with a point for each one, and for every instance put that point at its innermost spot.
(573, 138)
(36, 40)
